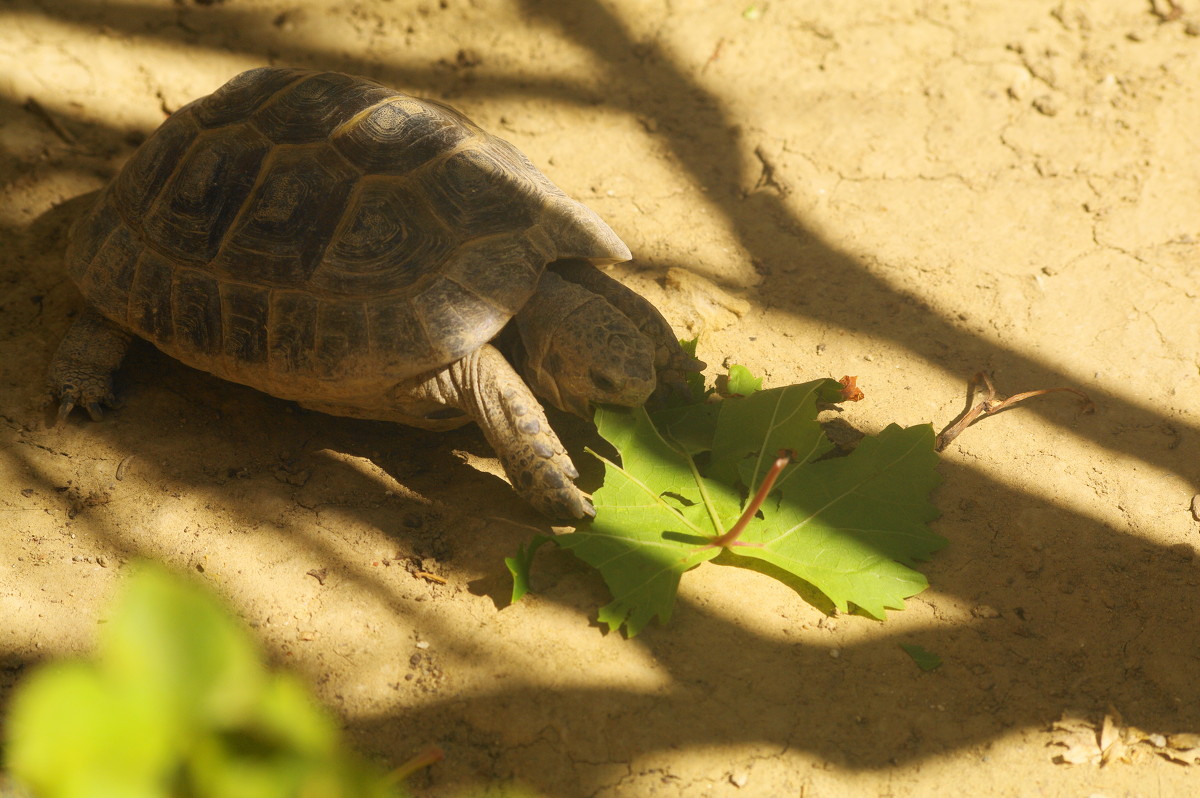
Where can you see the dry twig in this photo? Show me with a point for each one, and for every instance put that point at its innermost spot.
(993, 404)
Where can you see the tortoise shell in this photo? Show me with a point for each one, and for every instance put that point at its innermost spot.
(298, 230)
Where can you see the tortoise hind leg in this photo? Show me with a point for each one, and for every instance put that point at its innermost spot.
(82, 369)
(485, 387)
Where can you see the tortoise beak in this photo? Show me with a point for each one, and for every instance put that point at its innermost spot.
(579, 405)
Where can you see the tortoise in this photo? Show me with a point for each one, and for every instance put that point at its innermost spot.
(328, 240)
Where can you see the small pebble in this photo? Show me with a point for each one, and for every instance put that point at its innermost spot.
(835, 652)
(985, 611)
(1196, 507)
(1046, 105)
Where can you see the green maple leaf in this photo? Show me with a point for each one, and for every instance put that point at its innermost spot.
(651, 513)
(852, 526)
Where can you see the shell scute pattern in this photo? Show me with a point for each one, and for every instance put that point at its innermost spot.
(471, 191)
(109, 274)
(192, 214)
(150, 297)
(457, 318)
(342, 337)
(289, 217)
(400, 136)
(90, 234)
(293, 332)
(237, 99)
(143, 178)
(312, 108)
(244, 322)
(401, 341)
(515, 162)
(389, 241)
(196, 306)
(473, 266)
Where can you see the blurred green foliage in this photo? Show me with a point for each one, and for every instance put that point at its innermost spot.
(176, 703)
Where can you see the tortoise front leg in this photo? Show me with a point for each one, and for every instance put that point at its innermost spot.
(485, 387)
(83, 366)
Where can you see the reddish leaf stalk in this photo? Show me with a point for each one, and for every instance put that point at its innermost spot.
(730, 538)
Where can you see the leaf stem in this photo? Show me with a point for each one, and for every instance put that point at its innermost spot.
(704, 497)
(730, 538)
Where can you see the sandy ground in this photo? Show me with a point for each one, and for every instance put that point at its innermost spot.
(905, 191)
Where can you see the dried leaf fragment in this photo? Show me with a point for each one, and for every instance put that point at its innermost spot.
(850, 390)
(1083, 743)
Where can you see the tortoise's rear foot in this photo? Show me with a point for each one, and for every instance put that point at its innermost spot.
(81, 372)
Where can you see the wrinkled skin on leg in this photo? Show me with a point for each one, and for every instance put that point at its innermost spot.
(487, 389)
(82, 368)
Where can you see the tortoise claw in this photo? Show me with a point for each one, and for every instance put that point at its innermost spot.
(64, 409)
(588, 508)
(71, 397)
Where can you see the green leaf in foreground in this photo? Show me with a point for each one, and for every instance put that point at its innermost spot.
(926, 660)
(176, 702)
(852, 526)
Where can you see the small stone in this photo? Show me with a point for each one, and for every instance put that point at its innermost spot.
(422, 644)
(835, 653)
(1047, 105)
(1196, 507)
(985, 611)
(739, 779)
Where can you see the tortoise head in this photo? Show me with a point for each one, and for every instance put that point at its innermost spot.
(593, 355)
